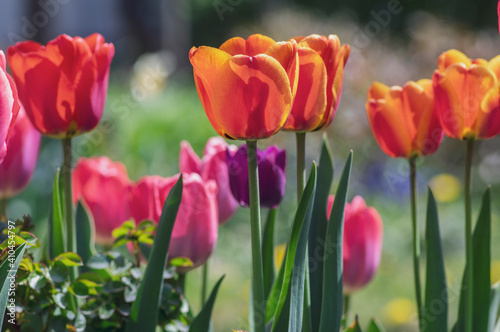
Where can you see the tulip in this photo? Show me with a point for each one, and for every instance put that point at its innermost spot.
(272, 177)
(212, 166)
(9, 106)
(321, 69)
(102, 185)
(467, 95)
(403, 120)
(62, 85)
(246, 86)
(195, 230)
(362, 244)
(22, 155)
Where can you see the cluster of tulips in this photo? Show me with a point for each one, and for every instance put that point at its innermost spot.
(251, 89)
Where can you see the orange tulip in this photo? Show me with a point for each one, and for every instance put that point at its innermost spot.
(62, 85)
(403, 120)
(467, 95)
(321, 62)
(246, 86)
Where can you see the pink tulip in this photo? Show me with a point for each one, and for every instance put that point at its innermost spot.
(9, 106)
(20, 160)
(103, 186)
(195, 230)
(212, 166)
(362, 245)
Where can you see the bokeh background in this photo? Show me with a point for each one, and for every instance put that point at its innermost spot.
(152, 105)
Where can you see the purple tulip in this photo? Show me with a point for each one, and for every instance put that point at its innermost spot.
(272, 176)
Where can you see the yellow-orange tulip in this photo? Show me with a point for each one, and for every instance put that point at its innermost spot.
(467, 95)
(246, 86)
(321, 61)
(403, 120)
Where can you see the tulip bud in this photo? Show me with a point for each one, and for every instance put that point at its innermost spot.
(9, 106)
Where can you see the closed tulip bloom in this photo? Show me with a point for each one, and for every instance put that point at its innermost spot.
(194, 235)
(9, 106)
(246, 86)
(272, 175)
(321, 69)
(403, 120)
(467, 95)
(62, 85)
(22, 155)
(362, 245)
(212, 166)
(102, 185)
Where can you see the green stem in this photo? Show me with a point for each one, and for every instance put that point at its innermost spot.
(68, 201)
(3, 209)
(204, 282)
(182, 283)
(347, 299)
(468, 236)
(416, 238)
(258, 302)
(301, 163)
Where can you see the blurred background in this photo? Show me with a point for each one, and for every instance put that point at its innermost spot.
(152, 105)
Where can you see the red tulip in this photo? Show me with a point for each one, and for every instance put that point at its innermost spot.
(103, 187)
(362, 245)
(246, 86)
(9, 106)
(195, 230)
(212, 167)
(321, 62)
(403, 120)
(62, 85)
(20, 161)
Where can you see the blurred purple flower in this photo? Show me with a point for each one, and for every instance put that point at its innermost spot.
(272, 175)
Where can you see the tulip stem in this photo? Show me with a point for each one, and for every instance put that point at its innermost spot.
(347, 299)
(416, 238)
(204, 282)
(258, 302)
(468, 236)
(3, 209)
(301, 163)
(68, 201)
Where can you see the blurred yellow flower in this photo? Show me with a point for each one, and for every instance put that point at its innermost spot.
(399, 311)
(445, 187)
(279, 255)
(495, 272)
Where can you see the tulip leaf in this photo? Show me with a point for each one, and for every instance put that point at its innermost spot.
(85, 246)
(332, 301)
(57, 242)
(494, 305)
(375, 326)
(317, 231)
(8, 270)
(144, 311)
(293, 277)
(481, 252)
(201, 323)
(268, 252)
(274, 296)
(435, 283)
(354, 326)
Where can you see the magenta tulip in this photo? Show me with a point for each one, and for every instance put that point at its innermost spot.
(362, 245)
(212, 166)
(20, 160)
(195, 230)
(103, 186)
(9, 106)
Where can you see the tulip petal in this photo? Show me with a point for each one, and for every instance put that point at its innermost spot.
(494, 65)
(309, 105)
(206, 62)
(3, 62)
(189, 162)
(287, 55)
(488, 122)
(451, 57)
(94, 41)
(251, 97)
(255, 44)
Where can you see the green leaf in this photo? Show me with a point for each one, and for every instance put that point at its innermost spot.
(69, 259)
(180, 262)
(375, 326)
(274, 296)
(202, 322)
(85, 246)
(355, 326)
(144, 312)
(317, 231)
(332, 301)
(268, 252)
(8, 270)
(436, 298)
(99, 262)
(295, 261)
(57, 242)
(494, 304)
(481, 251)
